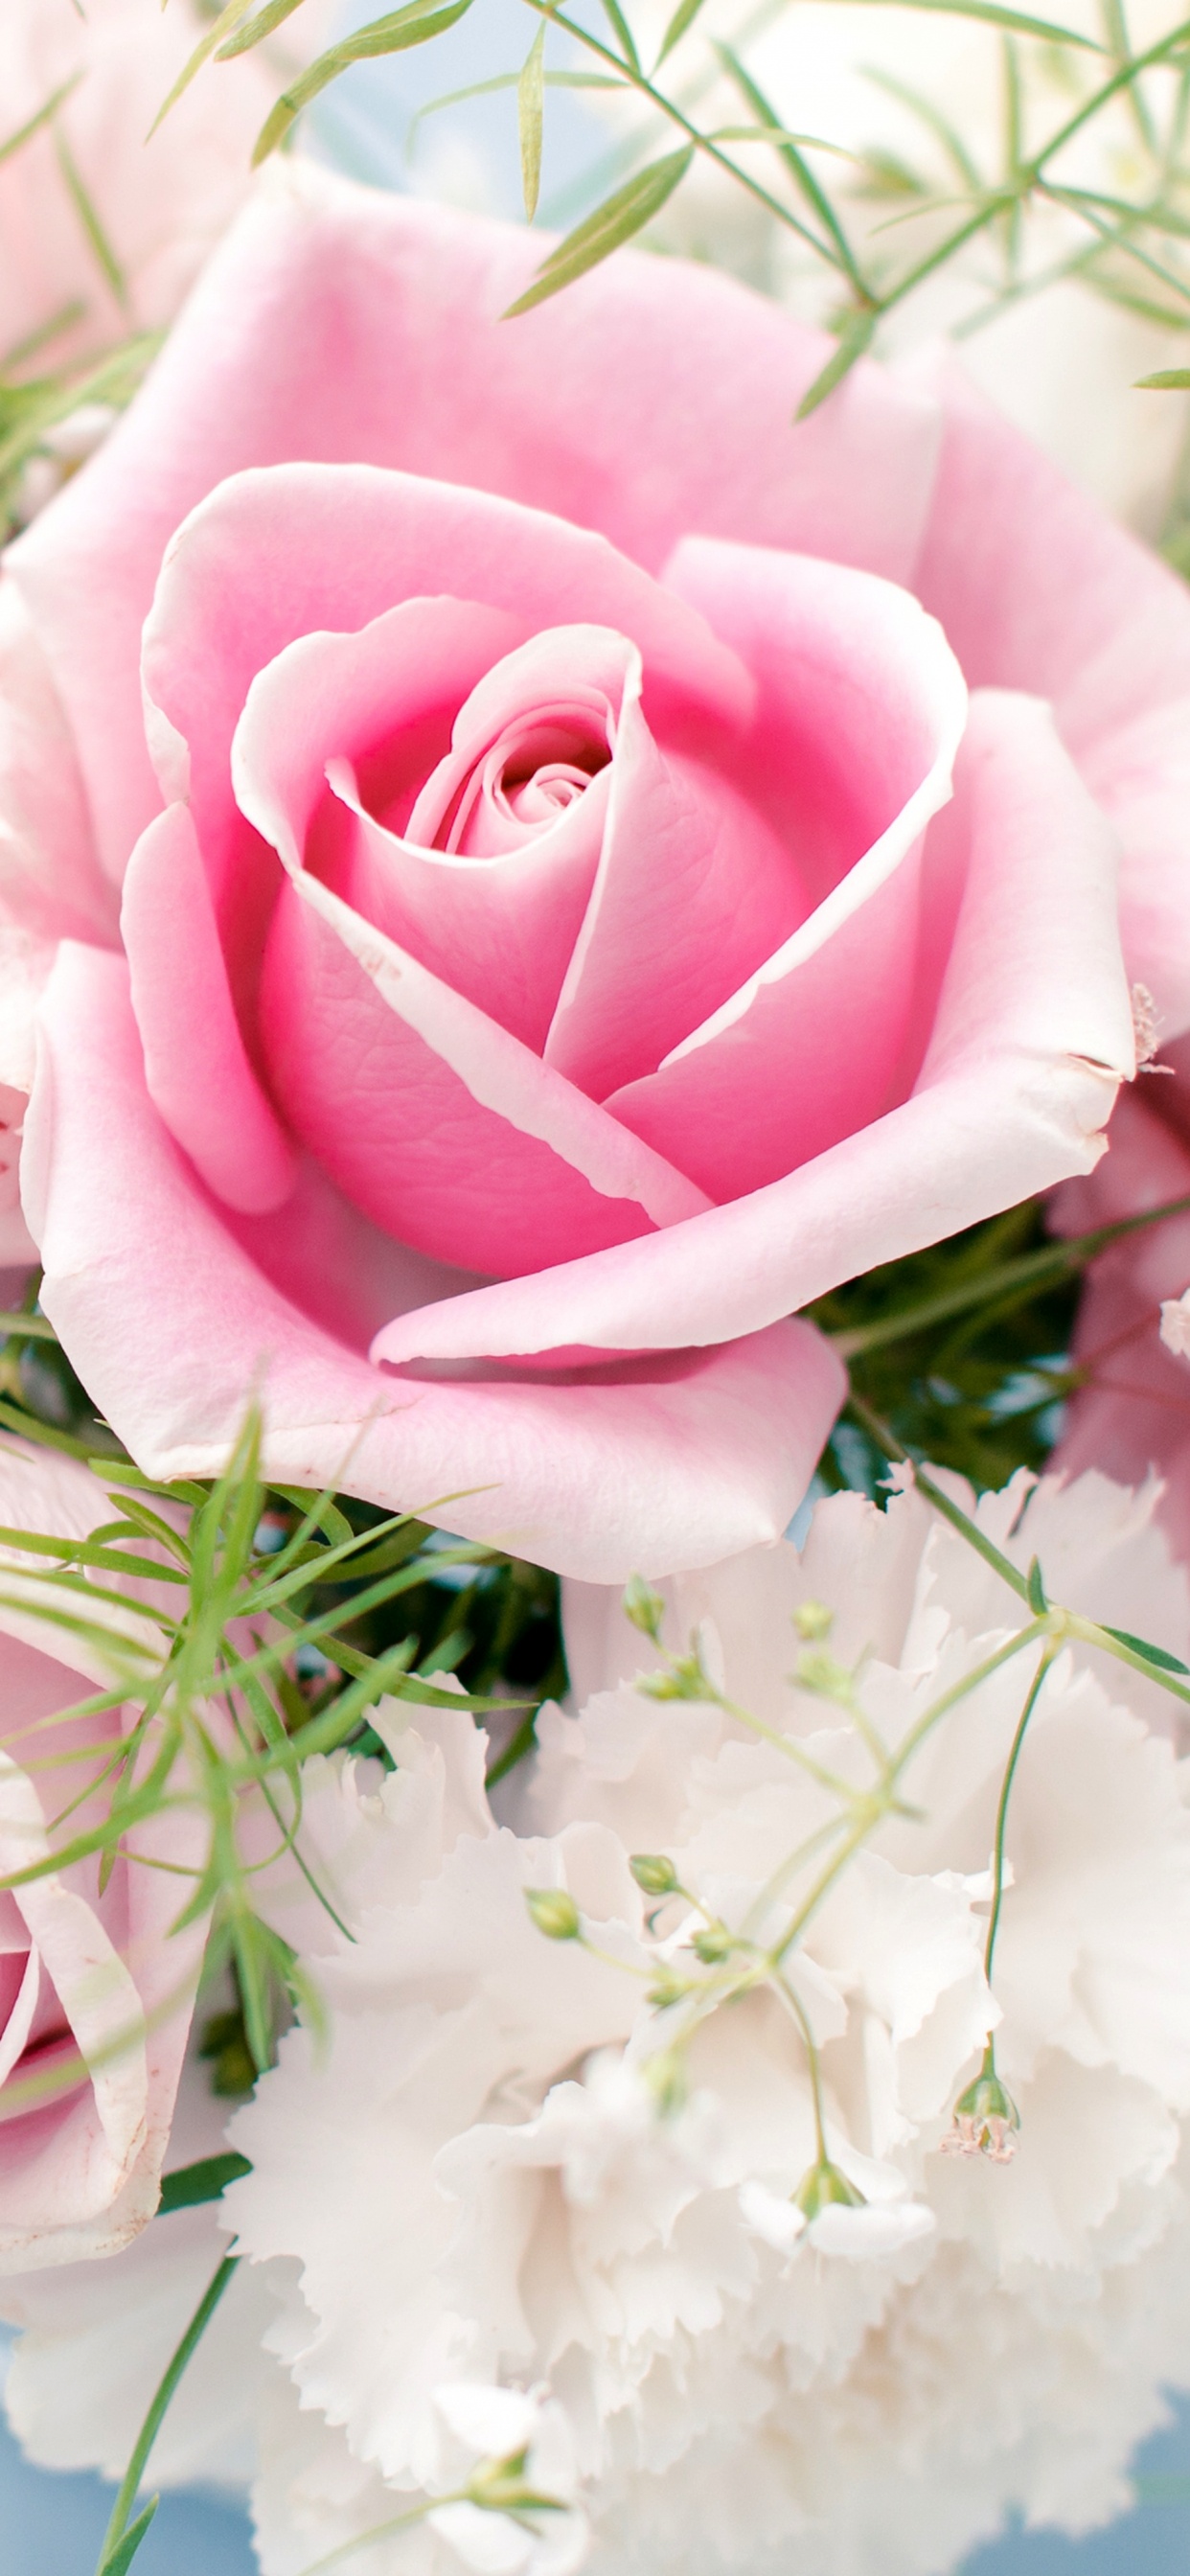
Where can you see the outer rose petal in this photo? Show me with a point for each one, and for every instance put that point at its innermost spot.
(50, 883)
(1039, 590)
(582, 408)
(440, 1124)
(196, 1063)
(1031, 1033)
(1134, 1413)
(857, 682)
(646, 1467)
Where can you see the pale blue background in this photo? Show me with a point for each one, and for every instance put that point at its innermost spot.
(50, 2525)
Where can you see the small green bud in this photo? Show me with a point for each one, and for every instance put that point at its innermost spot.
(715, 1942)
(825, 2186)
(554, 1912)
(494, 2482)
(813, 1620)
(685, 1679)
(668, 1988)
(986, 2118)
(822, 1673)
(658, 1686)
(654, 1873)
(665, 2076)
(644, 1607)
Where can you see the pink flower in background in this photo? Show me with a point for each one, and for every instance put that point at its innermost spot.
(551, 955)
(94, 2001)
(160, 206)
(1131, 1337)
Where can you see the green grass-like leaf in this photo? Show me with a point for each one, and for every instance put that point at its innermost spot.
(1016, 21)
(228, 20)
(621, 215)
(117, 2561)
(264, 24)
(1152, 1654)
(416, 24)
(855, 337)
(530, 99)
(683, 17)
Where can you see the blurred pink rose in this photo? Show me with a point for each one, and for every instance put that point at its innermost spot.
(160, 205)
(551, 955)
(94, 1999)
(1132, 1336)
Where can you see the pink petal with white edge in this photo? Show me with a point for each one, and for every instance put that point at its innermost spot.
(693, 890)
(569, 676)
(343, 544)
(1038, 589)
(441, 1125)
(50, 880)
(346, 696)
(1031, 1034)
(583, 408)
(1133, 1414)
(862, 688)
(196, 1063)
(499, 929)
(650, 1466)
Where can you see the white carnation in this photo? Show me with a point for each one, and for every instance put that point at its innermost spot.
(528, 2214)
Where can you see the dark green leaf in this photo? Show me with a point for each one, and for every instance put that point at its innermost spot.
(207, 2180)
(614, 222)
(35, 1328)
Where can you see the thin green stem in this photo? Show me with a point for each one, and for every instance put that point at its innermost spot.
(940, 1708)
(1090, 1633)
(130, 2484)
(1028, 1270)
(787, 1998)
(886, 1439)
(384, 2530)
(786, 1744)
(667, 107)
(1032, 1697)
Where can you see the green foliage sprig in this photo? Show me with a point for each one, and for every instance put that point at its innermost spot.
(1132, 250)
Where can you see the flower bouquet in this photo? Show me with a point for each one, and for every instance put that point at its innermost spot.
(594, 1415)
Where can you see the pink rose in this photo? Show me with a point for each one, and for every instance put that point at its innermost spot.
(551, 955)
(1131, 1413)
(160, 206)
(94, 1999)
